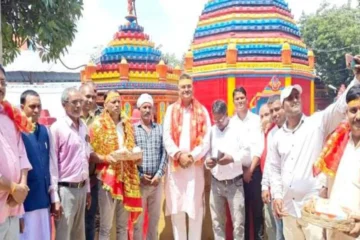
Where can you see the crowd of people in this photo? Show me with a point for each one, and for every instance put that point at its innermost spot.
(261, 166)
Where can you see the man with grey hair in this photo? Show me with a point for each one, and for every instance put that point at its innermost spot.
(70, 173)
(228, 150)
(148, 136)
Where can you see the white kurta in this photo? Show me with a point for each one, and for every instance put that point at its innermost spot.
(345, 188)
(184, 188)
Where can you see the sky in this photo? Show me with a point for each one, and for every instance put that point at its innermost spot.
(170, 24)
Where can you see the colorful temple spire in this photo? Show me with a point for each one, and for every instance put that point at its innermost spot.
(132, 65)
(247, 42)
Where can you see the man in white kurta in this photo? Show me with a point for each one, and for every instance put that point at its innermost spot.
(184, 183)
(293, 151)
(344, 180)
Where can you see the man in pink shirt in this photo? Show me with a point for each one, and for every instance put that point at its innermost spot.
(14, 166)
(70, 171)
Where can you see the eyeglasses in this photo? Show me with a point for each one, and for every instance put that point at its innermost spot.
(76, 102)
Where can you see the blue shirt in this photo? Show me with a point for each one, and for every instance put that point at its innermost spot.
(154, 154)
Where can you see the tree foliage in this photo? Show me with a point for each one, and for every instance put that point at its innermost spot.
(48, 26)
(332, 32)
(173, 61)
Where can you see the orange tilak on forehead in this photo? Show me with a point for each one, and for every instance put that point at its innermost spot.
(111, 96)
(354, 103)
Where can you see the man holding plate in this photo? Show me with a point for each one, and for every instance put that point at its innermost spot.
(119, 190)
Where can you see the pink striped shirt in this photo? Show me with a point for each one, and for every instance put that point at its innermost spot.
(72, 151)
(13, 159)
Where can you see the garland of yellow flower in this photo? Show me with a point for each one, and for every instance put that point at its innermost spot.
(121, 180)
(22, 123)
(329, 159)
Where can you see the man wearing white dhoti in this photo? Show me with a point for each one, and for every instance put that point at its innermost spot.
(187, 140)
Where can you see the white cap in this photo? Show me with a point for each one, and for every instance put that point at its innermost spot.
(285, 93)
(144, 98)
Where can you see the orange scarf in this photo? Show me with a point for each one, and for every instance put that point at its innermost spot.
(198, 126)
(330, 157)
(122, 180)
(22, 123)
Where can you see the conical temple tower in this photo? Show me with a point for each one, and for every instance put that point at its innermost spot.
(247, 43)
(132, 65)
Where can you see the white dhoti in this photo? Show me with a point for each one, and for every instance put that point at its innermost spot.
(37, 225)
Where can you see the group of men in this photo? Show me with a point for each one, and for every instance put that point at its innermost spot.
(260, 165)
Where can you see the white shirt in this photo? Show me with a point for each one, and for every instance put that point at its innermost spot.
(252, 126)
(345, 188)
(228, 141)
(293, 153)
(265, 182)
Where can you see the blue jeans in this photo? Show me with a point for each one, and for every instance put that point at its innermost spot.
(279, 229)
(91, 213)
(274, 228)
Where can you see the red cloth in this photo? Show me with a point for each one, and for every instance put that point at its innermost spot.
(333, 150)
(264, 153)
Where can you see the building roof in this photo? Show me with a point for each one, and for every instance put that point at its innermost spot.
(259, 30)
(41, 77)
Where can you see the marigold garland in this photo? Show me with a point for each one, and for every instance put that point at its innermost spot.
(121, 180)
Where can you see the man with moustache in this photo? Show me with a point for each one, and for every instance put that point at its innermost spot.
(119, 182)
(226, 183)
(339, 160)
(14, 165)
(186, 138)
(250, 122)
(293, 151)
(70, 169)
(88, 116)
(96, 110)
(274, 229)
(148, 136)
(36, 220)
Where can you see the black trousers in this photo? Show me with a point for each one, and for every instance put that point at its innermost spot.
(254, 206)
